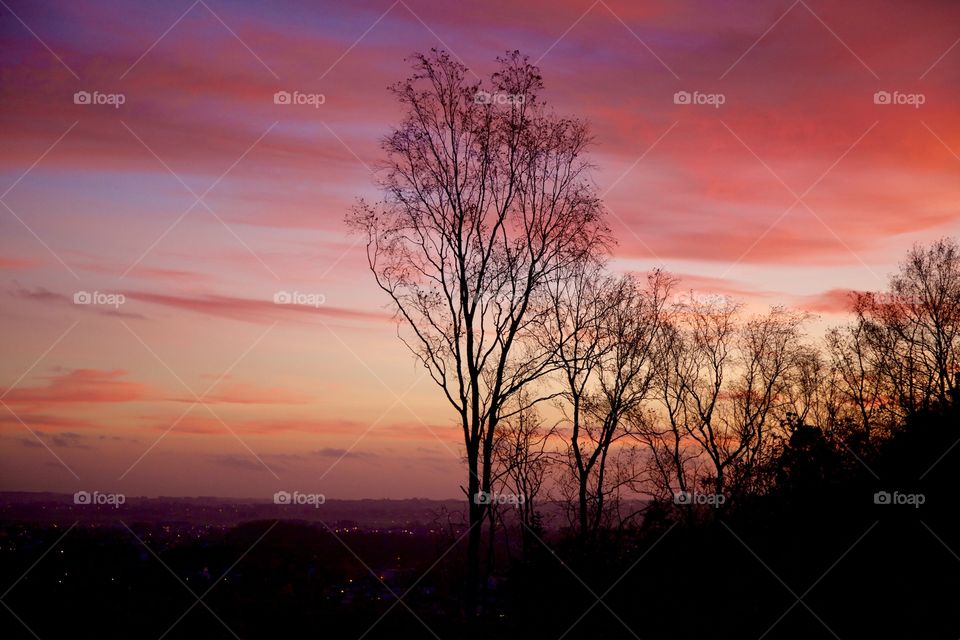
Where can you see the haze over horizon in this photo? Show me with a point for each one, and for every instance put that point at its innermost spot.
(252, 351)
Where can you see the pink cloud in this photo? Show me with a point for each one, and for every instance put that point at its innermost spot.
(252, 310)
(834, 301)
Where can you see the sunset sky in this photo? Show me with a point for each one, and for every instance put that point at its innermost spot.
(199, 199)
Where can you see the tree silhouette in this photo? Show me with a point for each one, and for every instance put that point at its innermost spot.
(491, 246)
(487, 200)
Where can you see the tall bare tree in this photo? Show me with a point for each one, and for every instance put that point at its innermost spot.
(487, 200)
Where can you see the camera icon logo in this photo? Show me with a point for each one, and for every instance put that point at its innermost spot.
(282, 297)
(683, 497)
(82, 97)
(682, 97)
(82, 297)
(81, 497)
(482, 497)
(282, 97)
(881, 497)
(282, 497)
(882, 97)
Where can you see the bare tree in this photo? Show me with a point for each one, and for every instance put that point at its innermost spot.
(774, 387)
(864, 390)
(694, 362)
(725, 386)
(604, 331)
(571, 331)
(913, 329)
(673, 457)
(487, 201)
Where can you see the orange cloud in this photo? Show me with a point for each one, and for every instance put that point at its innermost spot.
(7, 262)
(202, 423)
(80, 386)
(40, 421)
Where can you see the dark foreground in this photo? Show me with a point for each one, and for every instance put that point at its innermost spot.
(816, 558)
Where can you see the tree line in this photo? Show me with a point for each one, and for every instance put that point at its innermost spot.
(611, 392)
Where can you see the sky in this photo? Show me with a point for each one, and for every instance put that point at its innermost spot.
(155, 201)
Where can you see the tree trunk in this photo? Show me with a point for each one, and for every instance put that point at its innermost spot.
(583, 507)
(474, 539)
